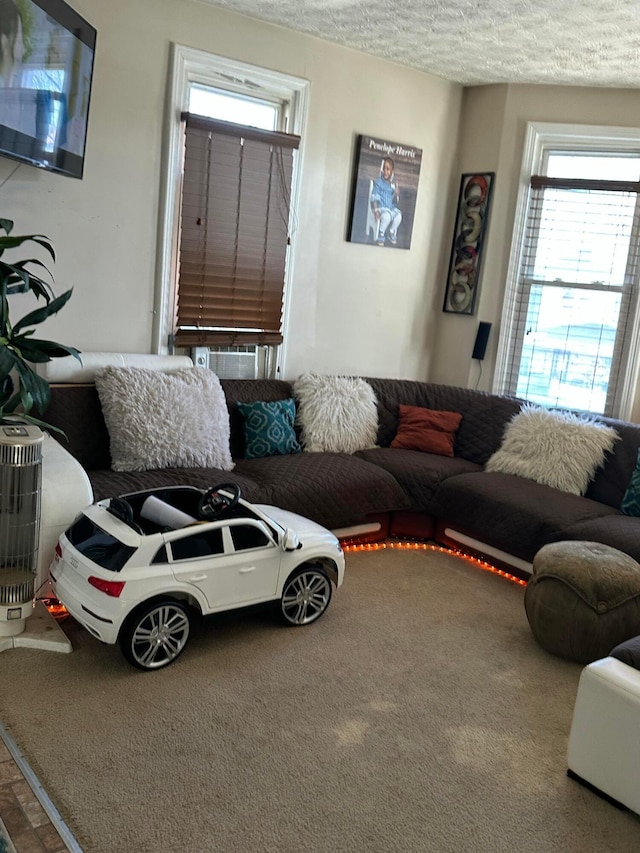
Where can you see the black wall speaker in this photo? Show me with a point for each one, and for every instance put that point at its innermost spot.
(480, 346)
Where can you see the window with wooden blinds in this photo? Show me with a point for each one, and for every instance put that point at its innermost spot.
(234, 233)
(575, 293)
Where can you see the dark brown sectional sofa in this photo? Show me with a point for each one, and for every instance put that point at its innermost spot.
(402, 492)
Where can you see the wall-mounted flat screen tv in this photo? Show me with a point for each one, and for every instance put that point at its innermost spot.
(46, 66)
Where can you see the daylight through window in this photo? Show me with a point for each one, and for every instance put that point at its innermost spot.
(574, 294)
(228, 212)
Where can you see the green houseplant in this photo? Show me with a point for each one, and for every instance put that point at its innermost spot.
(24, 394)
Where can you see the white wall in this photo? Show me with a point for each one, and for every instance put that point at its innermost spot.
(354, 308)
(492, 135)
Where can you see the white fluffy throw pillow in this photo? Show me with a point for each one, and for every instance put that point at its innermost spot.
(336, 414)
(557, 449)
(164, 420)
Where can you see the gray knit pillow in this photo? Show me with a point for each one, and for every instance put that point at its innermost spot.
(164, 420)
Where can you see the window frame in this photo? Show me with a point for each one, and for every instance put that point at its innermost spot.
(187, 66)
(541, 137)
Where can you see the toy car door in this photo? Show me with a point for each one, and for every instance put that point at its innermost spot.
(235, 563)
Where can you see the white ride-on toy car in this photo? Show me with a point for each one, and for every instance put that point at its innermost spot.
(133, 570)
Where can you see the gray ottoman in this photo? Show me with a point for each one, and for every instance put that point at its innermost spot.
(583, 599)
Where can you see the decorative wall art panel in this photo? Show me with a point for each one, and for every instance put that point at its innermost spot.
(468, 238)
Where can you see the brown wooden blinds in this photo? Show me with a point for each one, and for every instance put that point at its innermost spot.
(234, 233)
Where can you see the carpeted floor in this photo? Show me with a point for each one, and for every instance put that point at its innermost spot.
(417, 715)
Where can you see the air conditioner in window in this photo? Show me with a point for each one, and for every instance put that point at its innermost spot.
(240, 362)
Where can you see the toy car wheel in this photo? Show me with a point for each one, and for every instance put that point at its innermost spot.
(306, 595)
(155, 635)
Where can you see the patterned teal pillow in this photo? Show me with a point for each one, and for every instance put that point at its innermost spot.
(268, 428)
(631, 501)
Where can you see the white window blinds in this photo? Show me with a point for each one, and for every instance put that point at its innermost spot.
(576, 287)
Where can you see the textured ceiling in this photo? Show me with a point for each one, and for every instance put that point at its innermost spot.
(573, 42)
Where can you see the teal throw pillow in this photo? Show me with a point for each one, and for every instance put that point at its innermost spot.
(268, 428)
(631, 501)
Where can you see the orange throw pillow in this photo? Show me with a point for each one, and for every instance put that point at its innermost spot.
(426, 430)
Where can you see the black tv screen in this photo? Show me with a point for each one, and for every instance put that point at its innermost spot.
(46, 66)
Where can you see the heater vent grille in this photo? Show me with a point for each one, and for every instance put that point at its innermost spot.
(17, 587)
(20, 488)
(20, 454)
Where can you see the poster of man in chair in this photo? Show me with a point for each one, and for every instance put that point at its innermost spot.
(385, 185)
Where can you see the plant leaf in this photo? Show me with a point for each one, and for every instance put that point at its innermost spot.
(7, 360)
(39, 350)
(33, 385)
(12, 242)
(12, 404)
(18, 279)
(6, 390)
(41, 314)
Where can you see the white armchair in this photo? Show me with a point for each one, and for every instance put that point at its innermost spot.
(604, 747)
(65, 491)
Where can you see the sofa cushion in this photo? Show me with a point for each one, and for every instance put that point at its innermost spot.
(333, 489)
(269, 428)
(484, 415)
(613, 528)
(107, 483)
(164, 420)
(502, 511)
(76, 410)
(418, 473)
(337, 414)
(557, 449)
(426, 430)
(610, 482)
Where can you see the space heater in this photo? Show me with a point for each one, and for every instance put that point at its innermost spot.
(20, 491)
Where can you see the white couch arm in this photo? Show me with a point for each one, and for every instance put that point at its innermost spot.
(604, 748)
(65, 491)
(70, 370)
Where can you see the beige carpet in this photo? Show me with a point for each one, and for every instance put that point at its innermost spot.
(417, 715)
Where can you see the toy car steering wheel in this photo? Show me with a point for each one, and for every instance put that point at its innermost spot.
(214, 501)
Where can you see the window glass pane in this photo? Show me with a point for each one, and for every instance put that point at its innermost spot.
(246, 536)
(584, 236)
(570, 303)
(211, 103)
(198, 545)
(605, 167)
(161, 556)
(568, 347)
(97, 545)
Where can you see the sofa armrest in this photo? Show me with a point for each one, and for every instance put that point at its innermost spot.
(65, 491)
(69, 369)
(603, 748)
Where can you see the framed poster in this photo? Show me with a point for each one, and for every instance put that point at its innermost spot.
(385, 185)
(470, 230)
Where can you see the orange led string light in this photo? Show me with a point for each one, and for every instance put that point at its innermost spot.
(60, 613)
(425, 546)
